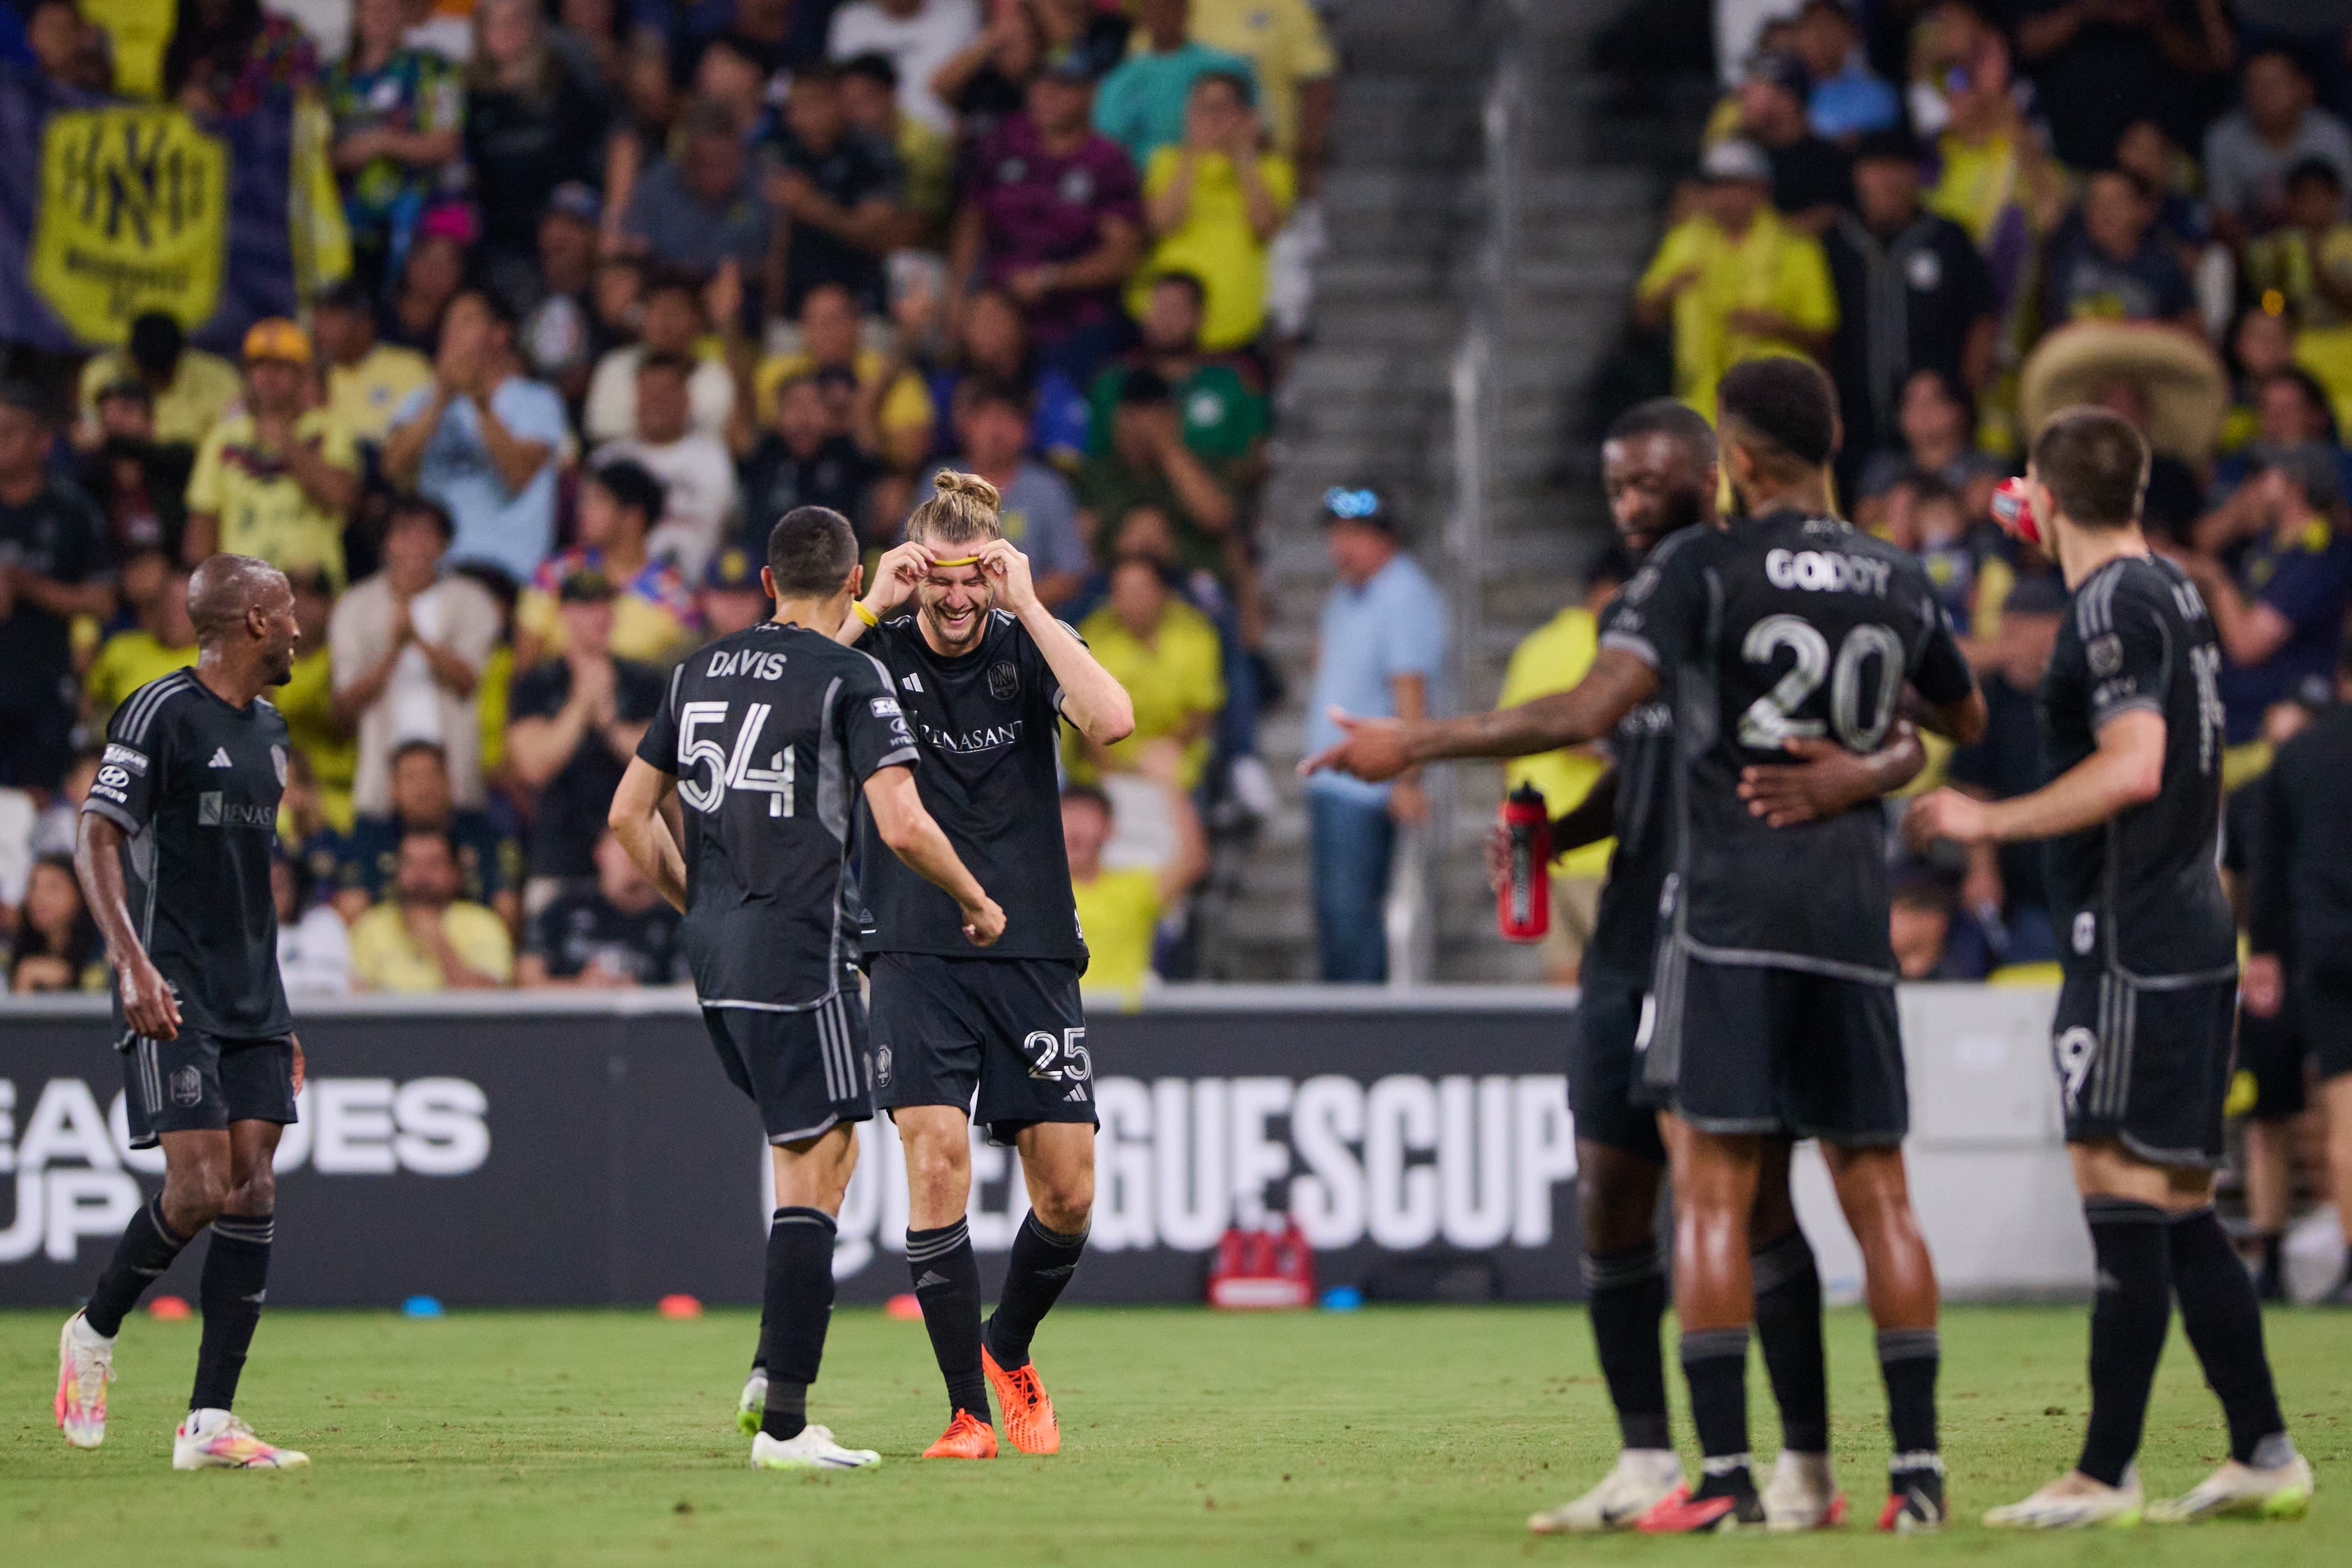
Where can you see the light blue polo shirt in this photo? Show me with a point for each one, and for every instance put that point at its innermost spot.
(513, 530)
(1393, 625)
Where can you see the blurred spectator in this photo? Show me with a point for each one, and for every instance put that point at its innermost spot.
(654, 617)
(803, 461)
(314, 950)
(306, 836)
(698, 478)
(573, 724)
(2096, 63)
(2279, 612)
(1813, 179)
(57, 946)
(1736, 281)
(482, 442)
(1165, 654)
(1146, 463)
(1936, 422)
(488, 863)
(1936, 527)
(531, 126)
(1220, 398)
(2290, 407)
(1930, 941)
(1121, 908)
(434, 272)
(2307, 263)
(1039, 515)
(279, 480)
(1847, 98)
(1294, 66)
(621, 932)
(671, 323)
(561, 335)
(1553, 658)
(2260, 345)
(891, 398)
(1379, 651)
(307, 700)
(1912, 294)
(994, 343)
(841, 194)
(427, 938)
(2249, 150)
(1142, 104)
(732, 599)
(589, 37)
(2106, 266)
(55, 569)
(1050, 210)
(408, 646)
(162, 639)
(187, 388)
(140, 485)
(2004, 890)
(780, 35)
(1214, 203)
(704, 205)
(64, 48)
(870, 101)
(984, 82)
(226, 56)
(1992, 171)
(918, 35)
(399, 114)
(366, 380)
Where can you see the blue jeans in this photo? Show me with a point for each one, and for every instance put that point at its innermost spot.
(1350, 843)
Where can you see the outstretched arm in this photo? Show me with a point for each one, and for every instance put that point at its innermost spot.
(2127, 770)
(1381, 749)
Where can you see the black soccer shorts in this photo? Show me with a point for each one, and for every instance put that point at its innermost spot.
(2145, 1063)
(2322, 1005)
(201, 1083)
(1011, 1029)
(807, 1071)
(1604, 1065)
(1740, 1047)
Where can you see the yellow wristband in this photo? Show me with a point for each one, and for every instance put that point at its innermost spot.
(857, 608)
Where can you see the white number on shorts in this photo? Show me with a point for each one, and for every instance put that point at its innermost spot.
(1045, 1051)
(2076, 1051)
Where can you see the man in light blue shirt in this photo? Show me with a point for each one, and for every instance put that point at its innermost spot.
(1846, 100)
(1378, 654)
(484, 443)
(1140, 104)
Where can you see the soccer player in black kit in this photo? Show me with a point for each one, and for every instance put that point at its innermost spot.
(173, 855)
(772, 736)
(987, 678)
(1659, 472)
(1772, 1014)
(2130, 715)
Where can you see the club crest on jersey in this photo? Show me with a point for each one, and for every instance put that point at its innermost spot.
(1003, 682)
(2105, 653)
(2087, 933)
(751, 664)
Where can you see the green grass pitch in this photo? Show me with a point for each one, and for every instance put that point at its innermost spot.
(1419, 1437)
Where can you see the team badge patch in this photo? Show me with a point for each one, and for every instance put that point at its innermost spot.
(2106, 654)
(1003, 682)
(882, 1066)
(188, 1086)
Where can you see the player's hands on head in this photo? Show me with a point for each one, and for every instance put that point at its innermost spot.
(983, 922)
(1944, 814)
(1007, 569)
(1373, 751)
(2263, 985)
(896, 575)
(1826, 779)
(148, 1004)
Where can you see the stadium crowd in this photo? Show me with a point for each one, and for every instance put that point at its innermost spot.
(630, 281)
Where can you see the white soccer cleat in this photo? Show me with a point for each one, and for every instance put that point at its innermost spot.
(1641, 1477)
(1802, 1494)
(2074, 1501)
(812, 1450)
(216, 1440)
(85, 1367)
(2242, 1491)
(753, 1404)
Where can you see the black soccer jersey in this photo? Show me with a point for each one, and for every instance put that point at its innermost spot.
(771, 733)
(987, 722)
(196, 784)
(2142, 891)
(1783, 626)
(1625, 930)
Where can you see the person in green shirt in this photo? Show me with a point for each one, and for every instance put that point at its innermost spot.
(1221, 400)
(1146, 463)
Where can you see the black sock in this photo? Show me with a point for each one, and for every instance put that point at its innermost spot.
(2271, 1282)
(146, 1250)
(794, 1311)
(1789, 1329)
(2128, 1320)
(1908, 1361)
(1627, 1306)
(946, 1282)
(236, 1277)
(1716, 1363)
(2224, 1323)
(1042, 1262)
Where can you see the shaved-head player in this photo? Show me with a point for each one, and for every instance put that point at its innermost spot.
(173, 855)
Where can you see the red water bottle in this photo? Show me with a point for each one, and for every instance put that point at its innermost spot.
(2012, 508)
(1523, 907)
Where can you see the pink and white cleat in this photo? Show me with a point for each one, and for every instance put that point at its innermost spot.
(216, 1440)
(85, 1367)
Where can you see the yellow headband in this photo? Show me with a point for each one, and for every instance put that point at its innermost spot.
(960, 560)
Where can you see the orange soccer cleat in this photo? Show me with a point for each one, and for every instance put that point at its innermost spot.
(967, 1437)
(1028, 1408)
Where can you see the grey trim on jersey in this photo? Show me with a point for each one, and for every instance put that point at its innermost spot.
(1762, 958)
(832, 792)
(1627, 642)
(2132, 704)
(797, 1134)
(113, 813)
(147, 702)
(2094, 601)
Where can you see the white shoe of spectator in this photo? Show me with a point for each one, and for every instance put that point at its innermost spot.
(1290, 270)
(1253, 788)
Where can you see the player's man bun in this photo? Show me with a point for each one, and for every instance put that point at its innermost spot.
(1779, 406)
(810, 552)
(2095, 465)
(961, 510)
